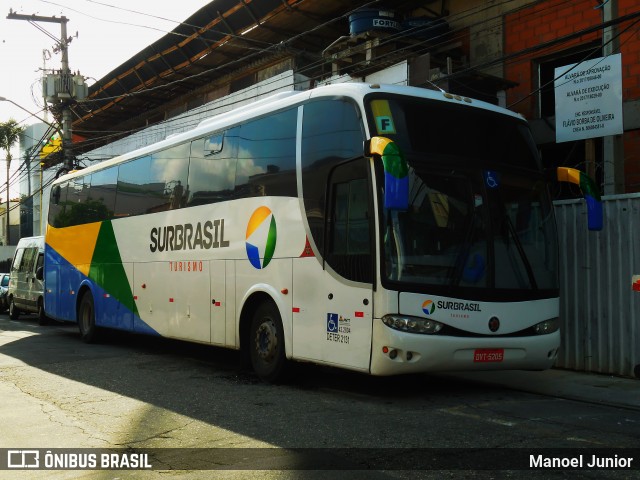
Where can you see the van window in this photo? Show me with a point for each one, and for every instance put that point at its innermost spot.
(15, 266)
(40, 261)
(28, 260)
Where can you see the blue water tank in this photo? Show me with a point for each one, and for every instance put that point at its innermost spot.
(367, 19)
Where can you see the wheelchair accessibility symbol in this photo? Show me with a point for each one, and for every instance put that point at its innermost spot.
(332, 322)
(491, 178)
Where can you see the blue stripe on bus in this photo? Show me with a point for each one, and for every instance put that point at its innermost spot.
(62, 282)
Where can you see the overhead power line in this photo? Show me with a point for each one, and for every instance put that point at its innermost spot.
(427, 43)
(457, 18)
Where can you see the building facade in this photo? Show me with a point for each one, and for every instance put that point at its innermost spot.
(553, 33)
(501, 52)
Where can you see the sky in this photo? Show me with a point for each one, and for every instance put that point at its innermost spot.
(109, 32)
(106, 33)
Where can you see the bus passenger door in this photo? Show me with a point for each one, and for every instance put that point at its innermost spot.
(333, 318)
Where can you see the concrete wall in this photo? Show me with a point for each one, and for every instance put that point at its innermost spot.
(484, 20)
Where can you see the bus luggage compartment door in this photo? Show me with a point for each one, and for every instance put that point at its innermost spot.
(172, 298)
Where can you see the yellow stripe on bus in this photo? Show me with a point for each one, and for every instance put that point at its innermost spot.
(76, 245)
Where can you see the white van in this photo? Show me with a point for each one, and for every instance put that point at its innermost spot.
(26, 285)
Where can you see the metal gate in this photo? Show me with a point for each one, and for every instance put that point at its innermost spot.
(599, 311)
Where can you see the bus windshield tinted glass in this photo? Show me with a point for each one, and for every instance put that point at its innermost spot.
(479, 215)
(442, 129)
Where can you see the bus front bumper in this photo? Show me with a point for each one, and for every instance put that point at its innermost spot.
(396, 352)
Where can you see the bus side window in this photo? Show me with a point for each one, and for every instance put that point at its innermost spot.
(79, 209)
(332, 131)
(212, 168)
(168, 178)
(267, 157)
(348, 226)
(133, 178)
(102, 194)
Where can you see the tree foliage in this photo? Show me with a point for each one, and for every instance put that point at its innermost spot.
(9, 134)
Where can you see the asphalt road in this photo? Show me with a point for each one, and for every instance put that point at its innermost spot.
(192, 409)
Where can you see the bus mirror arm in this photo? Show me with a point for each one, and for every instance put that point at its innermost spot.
(40, 273)
(396, 171)
(590, 191)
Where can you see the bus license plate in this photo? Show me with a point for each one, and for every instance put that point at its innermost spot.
(485, 355)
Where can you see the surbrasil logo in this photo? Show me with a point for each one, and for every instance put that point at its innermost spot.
(261, 237)
(428, 307)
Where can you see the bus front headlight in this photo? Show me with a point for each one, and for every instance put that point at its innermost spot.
(412, 324)
(548, 326)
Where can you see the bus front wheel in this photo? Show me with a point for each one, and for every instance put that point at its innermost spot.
(266, 343)
(87, 319)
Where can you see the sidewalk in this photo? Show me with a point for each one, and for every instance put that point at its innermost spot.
(585, 387)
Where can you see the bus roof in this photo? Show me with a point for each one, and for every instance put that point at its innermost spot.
(286, 99)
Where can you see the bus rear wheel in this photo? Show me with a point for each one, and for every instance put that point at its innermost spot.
(87, 319)
(266, 344)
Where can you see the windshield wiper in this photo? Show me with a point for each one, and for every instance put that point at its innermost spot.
(520, 248)
(463, 256)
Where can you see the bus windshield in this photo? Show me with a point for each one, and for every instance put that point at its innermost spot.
(479, 221)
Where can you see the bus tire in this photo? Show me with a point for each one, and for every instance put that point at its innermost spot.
(14, 313)
(87, 319)
(266, 343)
(42, 317)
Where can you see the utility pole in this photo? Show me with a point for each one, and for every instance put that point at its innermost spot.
(66, 80)
(613, 145)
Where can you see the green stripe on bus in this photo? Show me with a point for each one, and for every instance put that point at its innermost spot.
(107, 270)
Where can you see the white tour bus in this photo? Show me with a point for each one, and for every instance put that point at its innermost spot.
(380, 229)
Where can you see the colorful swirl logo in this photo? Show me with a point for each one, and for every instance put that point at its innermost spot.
(261, 237)
(428, 307)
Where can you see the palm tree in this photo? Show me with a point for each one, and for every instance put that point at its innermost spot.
(9, 134)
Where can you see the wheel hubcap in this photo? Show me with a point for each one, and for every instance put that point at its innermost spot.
(266, 341)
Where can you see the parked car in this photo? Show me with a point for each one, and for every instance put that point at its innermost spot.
(26, 285)
(4, 290)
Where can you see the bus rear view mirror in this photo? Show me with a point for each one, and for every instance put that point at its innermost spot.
(56, 194)
(396, 172)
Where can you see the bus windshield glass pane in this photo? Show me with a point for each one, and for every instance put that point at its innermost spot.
(479, 221)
